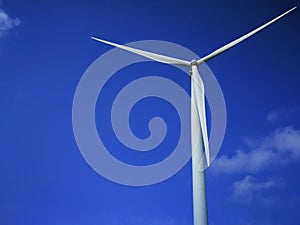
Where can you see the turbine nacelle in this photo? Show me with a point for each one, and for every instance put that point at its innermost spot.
(194, 63)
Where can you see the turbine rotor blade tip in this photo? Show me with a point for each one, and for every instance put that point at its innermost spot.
(242, 38)
(149, 55)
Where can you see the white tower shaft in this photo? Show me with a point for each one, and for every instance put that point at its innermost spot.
(198, 165)
(199, 191)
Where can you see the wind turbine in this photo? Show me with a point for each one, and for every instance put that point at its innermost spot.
(200, 144)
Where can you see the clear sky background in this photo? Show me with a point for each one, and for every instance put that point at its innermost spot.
(44, 50)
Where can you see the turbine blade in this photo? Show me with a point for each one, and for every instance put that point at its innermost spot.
(237, 41)
(150, 55)
(198, 99)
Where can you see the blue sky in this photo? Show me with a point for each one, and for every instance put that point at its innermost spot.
(44, 50)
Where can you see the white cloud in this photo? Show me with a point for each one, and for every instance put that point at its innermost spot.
(7, 23)
(245, 189)
(280, 147)
(277, 149)
(283, 115)
(273, 116)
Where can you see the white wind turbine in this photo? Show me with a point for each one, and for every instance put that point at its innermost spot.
(200, 143)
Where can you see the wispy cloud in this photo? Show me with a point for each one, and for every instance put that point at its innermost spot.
(273, 116)
(7, 23)
(275, 150)
(283, 114)
(280, 147)
(245, 189)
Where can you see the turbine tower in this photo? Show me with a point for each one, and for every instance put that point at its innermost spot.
(200, 144)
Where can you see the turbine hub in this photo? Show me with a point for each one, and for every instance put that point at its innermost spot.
(194, 63)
